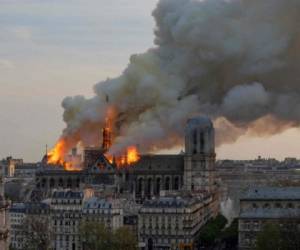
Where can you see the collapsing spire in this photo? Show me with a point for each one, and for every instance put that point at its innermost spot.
(106, 137)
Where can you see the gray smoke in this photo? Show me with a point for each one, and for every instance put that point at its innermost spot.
(236, 61)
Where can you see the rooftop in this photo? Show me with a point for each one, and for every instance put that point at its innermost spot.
(29, 207)
(272, 193)
(67, 194)
(170, 202)
(271, 213)
(97, 203)
(160, 163)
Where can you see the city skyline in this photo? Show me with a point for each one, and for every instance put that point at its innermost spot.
(46, 56)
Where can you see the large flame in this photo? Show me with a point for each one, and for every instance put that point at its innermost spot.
(129, 157)
(56, 156)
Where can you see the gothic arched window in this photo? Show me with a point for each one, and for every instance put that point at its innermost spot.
(140, 185)
(52, 183)
(167, 183)
(157, 190)
(195, 141)
(176, 183)
(201, 142)
(149, 186)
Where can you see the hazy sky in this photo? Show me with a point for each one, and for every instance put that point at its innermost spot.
(51, 49)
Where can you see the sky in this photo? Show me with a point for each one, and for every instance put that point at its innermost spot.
(52, 49)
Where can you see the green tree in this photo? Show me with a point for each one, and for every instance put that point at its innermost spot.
(229, 236)
(95, 236)
(37, 233)
(124, 239)
(274, 237)
(269, 238)
(210, 232)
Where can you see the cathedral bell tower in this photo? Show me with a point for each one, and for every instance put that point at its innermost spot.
(199, 162)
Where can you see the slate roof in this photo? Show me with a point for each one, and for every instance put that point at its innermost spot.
(167, 163)
(272, 193)
(18, 208)
(272, 213)
(67, 194)
(27, 166)
(169, 202)
(30, 207)
(97, 203)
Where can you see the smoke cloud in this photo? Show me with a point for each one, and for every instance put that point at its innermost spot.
(236, 61)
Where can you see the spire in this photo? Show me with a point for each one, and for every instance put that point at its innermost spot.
(106, 136)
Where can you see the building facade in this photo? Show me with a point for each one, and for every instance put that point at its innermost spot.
(4, 222)
(61, 217)
(172, 222)
(66, 214)
(259, 206)
(25, 218)
(106, 211)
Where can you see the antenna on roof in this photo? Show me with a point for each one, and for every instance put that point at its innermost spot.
(46, 149)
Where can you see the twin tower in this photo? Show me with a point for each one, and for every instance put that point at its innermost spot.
(199, 161)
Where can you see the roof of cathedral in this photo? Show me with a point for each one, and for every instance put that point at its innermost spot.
(162, 163)
(101, 165)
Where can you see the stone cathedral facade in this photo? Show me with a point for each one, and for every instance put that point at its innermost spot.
(190, 171)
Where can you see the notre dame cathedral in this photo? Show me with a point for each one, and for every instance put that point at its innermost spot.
(191, 171)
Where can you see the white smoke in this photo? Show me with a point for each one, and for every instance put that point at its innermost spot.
(234, 60)
(227, 209)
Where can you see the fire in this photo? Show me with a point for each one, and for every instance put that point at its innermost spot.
(128, 158)
(106, 133)
(56, 156)
(132, 155)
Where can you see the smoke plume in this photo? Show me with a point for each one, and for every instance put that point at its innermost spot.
(236, 61)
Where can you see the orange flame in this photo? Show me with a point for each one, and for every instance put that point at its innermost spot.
(56, 156)
(132, 155)
(128, 158)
